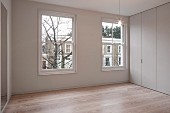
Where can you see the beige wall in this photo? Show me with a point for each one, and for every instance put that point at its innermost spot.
(89, 50)
(7, 4)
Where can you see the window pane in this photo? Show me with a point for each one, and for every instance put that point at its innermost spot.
(116, 31)
(56, 33)
(64, 26)
(107, 61)
(106, 30)
(118, 55)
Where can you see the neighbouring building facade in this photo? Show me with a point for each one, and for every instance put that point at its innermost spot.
(112, 52)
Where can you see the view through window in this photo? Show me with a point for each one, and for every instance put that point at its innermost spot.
(113, 45)
(57, 42)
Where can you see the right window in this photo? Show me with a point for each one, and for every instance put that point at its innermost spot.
(113, 45)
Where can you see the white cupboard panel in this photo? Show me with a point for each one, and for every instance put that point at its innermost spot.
(149, 49)
(163, 48)
(135, 49)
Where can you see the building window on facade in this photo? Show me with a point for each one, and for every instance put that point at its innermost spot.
(119, 49)
(113, 44)
(109, 48)
(119, 60)
(68, 48)
(44, 64)
(107, 61)
(57, 43)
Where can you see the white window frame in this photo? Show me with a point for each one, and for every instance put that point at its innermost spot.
(123, 49)
(56, 71)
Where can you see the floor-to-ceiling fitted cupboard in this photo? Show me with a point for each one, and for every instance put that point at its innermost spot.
(5, 52)
(135, 49)
(3, 56)
(163, 48)
(150, 48)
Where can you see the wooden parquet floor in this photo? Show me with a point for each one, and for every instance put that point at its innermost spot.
(118, 98)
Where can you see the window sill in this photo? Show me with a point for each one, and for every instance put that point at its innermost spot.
(54, 72)
(114, 69)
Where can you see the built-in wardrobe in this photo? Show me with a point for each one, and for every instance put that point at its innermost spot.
(150, 48)
(3, 56)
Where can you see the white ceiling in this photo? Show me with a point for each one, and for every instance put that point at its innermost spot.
(127, 7)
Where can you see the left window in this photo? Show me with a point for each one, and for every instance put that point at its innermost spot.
(56, 43)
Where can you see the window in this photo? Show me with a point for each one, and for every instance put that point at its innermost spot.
(114, 45)
(109, 48)
(68, 48)
(107, 61)
(56, 43)
(119, 60)
(119, 49)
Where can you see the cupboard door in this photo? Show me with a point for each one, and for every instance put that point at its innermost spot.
(135, 49)
(149, 49)
(163, 48)
(3, 56)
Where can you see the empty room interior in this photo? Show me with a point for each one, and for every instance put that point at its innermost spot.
(78, 56)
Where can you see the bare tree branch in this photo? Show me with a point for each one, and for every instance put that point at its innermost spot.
(53, 28)
(68, 55)
(47, 33)
(47, 23)
(58, 22)
(64, 41)
(70, 65)
(48, 61)
(67, 62)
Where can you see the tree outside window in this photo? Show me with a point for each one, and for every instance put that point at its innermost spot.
(56, 32)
